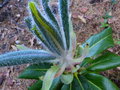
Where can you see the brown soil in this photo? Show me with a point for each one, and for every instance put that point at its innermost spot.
(13, 30)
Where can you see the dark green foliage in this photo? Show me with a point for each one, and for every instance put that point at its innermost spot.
(105, 62)
(90, 82)
(100, 42)
(35, 71)
(101, 82)
(63, 66)
(57, 84)
(36, 86)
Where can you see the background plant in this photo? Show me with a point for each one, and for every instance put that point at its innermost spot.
(62, 65)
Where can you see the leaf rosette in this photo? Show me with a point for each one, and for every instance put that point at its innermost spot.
(63, 65)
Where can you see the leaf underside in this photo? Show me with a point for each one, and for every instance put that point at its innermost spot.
(64, 16)
(46, 30)
(25, 57)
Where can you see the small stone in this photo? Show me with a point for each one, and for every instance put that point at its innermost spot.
(39, 42)
(18, 15)
(17, 42)
(10, 6)
(18, 0)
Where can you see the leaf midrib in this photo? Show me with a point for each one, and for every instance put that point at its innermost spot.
(98, 63)
(94, 84)
(79, 82)
(100, 41)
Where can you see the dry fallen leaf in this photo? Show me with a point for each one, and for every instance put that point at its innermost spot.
(82, 18)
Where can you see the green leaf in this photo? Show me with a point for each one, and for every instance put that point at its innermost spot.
(45, 27)
(22, 47)
(42, 36)
(67, 78)
(66, 87)
(105, 62)
(49, 77)
(104, 25)
(46, 40)
(88, 82)
(103, 56)
(85, 62)
(79, 50)
(50, 14)
(80, 83)
(118, 42)
(35, 71)
(64, 16)
(101, 82)
(100, 42)
(76, 84)
(57, 84)
(36, 86)
(88, 85)
(73, 41)
(24, 57)
(40, 19)
(107, 16)
(28, 22)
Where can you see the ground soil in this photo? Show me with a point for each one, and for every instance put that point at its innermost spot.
(14, 31)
